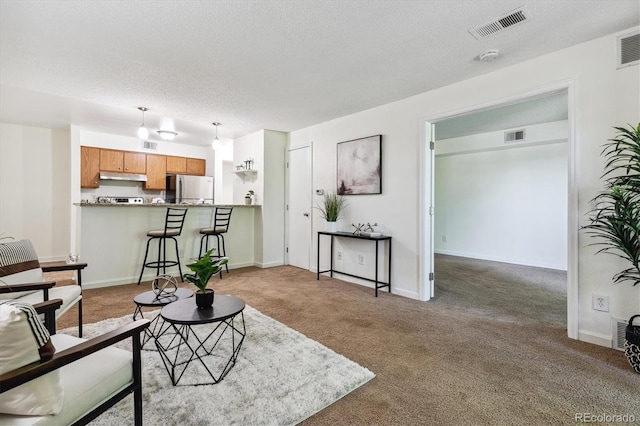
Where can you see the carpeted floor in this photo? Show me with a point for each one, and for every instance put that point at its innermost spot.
(491, 348)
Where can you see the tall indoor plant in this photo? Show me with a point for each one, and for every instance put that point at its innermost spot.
(204, 269)
(616, 218)
(331, 209)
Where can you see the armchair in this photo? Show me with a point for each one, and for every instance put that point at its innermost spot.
(21, 277)
(81, 380)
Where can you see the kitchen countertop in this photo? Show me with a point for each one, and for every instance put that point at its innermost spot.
(161, 205)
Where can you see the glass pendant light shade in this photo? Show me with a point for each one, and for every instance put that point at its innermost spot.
(143, 133)
(216, 142)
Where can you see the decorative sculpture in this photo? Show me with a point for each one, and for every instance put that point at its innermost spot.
(163, 285)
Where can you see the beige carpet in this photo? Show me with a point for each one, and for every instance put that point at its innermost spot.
(490, 349)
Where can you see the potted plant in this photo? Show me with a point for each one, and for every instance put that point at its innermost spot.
(616, 218)
(204, 269)
(331, 209)
(249, 197)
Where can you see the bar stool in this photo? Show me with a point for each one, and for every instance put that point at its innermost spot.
(172, 228)
(221, 219)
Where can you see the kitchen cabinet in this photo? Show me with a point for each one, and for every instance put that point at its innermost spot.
(122, 161)
(89, 167)
(196, 166)
(111, 160)
(177, 165)
(156, 172)
(135, 162)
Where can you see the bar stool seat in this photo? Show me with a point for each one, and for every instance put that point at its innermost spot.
(221, 220)
(173, 224)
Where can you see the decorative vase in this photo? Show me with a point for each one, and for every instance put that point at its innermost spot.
(205, 300)
(632, 344)
(332, 226)
(247, 201)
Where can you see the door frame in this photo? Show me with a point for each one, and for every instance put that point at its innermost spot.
(427, 182)
(288, 203)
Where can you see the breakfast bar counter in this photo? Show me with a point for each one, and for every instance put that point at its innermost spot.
(112, 238)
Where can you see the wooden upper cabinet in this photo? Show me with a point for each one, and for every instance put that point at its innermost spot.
(176, 165)
(156, 172)
(196, 166)
(89, 167)
(111, 160)
(135, 162)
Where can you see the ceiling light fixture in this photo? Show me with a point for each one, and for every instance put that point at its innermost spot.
(167, 135)
(143, 133)
(216, 142)
(489, 56)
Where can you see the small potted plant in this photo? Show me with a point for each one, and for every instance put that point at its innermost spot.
(616, 218)
(249, 197)
(331, 209)
(204, 269)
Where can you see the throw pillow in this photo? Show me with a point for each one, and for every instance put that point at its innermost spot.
(24, 341)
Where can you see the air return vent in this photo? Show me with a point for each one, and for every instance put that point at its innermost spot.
(514, 136)
(628, 49)
(618, 331)
(508, 20)
(150, 145)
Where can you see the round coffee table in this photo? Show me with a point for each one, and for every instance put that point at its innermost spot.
(150, 299)
(213, 337)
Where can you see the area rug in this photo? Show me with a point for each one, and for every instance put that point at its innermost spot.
(281, 377)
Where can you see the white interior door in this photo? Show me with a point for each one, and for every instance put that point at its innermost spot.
(299, 208)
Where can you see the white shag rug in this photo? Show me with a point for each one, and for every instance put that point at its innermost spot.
(281, 377)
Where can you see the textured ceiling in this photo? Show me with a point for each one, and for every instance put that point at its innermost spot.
(251, 65)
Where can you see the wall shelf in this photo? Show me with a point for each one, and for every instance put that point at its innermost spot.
(244, 174)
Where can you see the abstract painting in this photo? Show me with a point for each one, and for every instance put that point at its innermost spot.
(360, 166)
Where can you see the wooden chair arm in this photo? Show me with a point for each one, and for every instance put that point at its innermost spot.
(29, 372)
(48, 308)
(11, 288)
(62, 266)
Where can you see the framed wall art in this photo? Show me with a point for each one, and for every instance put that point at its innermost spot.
(360, 166)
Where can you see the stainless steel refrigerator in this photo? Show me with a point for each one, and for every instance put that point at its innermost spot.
(190, 189)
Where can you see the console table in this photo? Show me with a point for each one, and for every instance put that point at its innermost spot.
(378, 284)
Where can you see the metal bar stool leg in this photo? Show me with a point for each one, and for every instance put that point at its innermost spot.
(223, 252)
(177, 258)
(146, 253)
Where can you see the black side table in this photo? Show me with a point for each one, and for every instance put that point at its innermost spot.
(215, 348)
(150, 299)
(377, 283)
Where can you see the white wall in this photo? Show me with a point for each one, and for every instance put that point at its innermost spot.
(244, 148)
(600, 97)
(503, 202)
(34, 190)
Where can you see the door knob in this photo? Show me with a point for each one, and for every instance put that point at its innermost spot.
(305, 214)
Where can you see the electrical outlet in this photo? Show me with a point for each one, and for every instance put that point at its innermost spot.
(339, 255)
(600, 302)
(180, 252)
(361, 259)
(444, 238)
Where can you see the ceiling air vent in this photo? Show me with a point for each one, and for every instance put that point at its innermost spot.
(628, 49)
(149, 145)
(508, 20)
(514, 136)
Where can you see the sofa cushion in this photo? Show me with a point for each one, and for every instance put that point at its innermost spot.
(18, 265)
(68, 293)
(25, 341)
(88, 382)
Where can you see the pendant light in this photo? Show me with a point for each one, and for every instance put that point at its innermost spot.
(143, 133)
(216, 142)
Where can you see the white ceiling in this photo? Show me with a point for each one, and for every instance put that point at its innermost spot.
(280, 65)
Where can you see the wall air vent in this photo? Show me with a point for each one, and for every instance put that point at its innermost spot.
(513, 136)
(619, 327)
(628, 49)
(505, 21)
(149, 145)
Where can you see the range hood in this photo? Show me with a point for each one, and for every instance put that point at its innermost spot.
(123, 176)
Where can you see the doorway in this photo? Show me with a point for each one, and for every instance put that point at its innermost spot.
(480, 114)
(299, 217)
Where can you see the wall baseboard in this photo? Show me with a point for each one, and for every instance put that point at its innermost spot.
(558, 267)
(595, 338)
